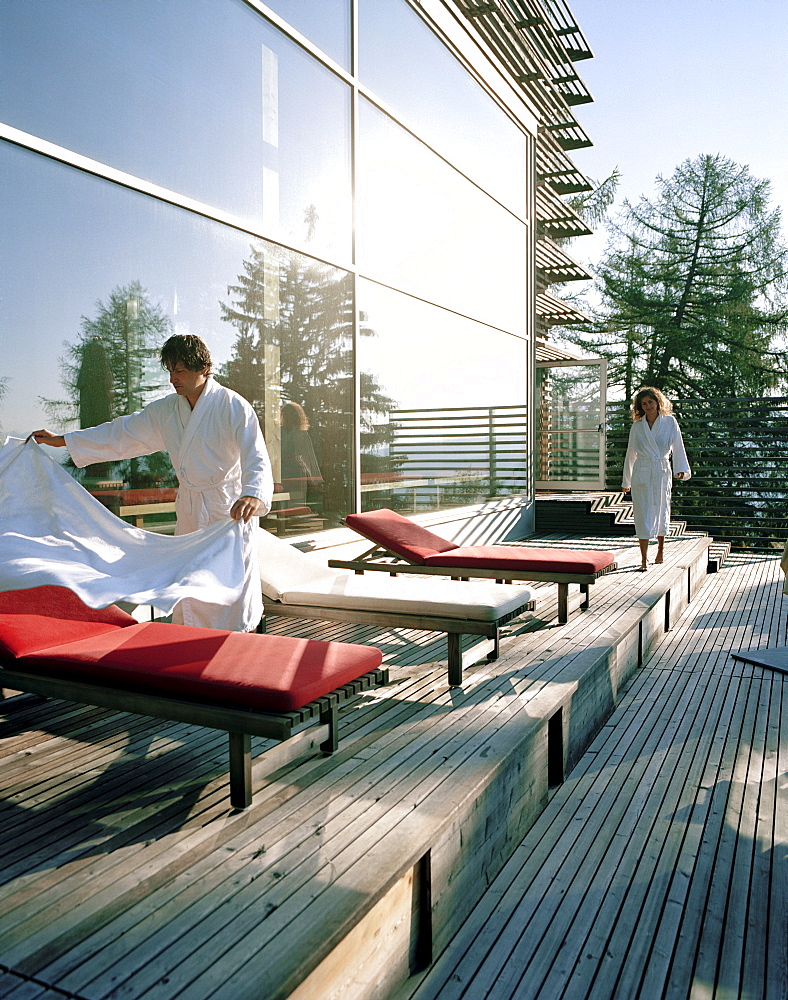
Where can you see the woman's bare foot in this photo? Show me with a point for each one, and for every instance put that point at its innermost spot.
(659, 558)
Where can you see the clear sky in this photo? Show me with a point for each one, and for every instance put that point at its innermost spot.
(672, 79)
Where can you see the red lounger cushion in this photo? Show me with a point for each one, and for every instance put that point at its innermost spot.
(43, 616)
(237, 669)
(503, 557)
(417, 545)
(398, 534)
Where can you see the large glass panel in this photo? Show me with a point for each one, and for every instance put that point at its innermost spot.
(406, 65)
(96, 277)
(203, 97)
(444, 415)
(326, 24)
(426, 229)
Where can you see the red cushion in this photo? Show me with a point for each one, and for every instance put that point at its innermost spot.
(399, 535)
(523, 559)
(238, 669)
(45, 616)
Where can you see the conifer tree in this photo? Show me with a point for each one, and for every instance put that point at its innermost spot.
(692, 287)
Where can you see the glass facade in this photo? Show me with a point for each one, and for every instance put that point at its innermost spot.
(202, 98)
(425, 228)
(434, 95)
(450, 427)
(382, 339)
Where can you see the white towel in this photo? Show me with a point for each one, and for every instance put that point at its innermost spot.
(52, 531)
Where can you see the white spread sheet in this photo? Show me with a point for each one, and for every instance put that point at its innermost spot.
(52, 531)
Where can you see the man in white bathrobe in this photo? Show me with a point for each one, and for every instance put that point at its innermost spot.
(217, 450)
(654, 437)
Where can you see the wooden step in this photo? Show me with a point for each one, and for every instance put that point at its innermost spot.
(606, 514)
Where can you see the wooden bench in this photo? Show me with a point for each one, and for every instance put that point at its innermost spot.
(245, 684)
(402, 546)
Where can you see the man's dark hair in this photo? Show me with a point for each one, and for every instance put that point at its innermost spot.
(188, 350)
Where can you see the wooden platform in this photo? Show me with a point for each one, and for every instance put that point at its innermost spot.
(659, 867)
(126, 876)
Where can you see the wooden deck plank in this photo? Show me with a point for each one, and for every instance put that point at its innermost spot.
(607, 878)
(15, 988)
(271, 857)
(239, 918)
(709, 807)
(634, 961)
(777, 967)
(755, 965)
(650, 848)
(579, 819)
(628, 955)
(188, 892)
(676, 857)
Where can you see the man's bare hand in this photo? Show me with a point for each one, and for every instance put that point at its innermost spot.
(47, 437)
(246, 508)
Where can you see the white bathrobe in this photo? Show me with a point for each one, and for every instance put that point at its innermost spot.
(218, 454)
(647, 472)
(784, 567)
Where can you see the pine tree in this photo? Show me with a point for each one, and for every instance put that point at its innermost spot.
(692, 287)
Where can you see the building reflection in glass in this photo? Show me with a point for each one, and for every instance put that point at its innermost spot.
(459, 430)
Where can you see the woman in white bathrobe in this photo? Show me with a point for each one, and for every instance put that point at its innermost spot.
(654, 438)
(217, 450)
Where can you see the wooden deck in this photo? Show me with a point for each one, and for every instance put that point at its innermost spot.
(126, 875)
(659, 867)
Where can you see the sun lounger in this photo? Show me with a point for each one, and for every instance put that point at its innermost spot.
(402, 546)
(296, 584)
(243, 683)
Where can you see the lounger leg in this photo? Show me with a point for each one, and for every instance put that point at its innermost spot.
(563, 603)
(455, 659)
(495, 651)
(330, 715)
(240, 770)
(586, 595)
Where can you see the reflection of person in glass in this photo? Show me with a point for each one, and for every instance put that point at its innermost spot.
(654, 436)
(217, 449)
(299, 462)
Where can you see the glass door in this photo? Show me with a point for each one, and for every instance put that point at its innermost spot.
(570, 431)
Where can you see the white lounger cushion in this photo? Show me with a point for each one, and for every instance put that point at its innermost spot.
(299, 578)
(284, 568)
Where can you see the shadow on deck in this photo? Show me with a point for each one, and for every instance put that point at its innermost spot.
(127, 875)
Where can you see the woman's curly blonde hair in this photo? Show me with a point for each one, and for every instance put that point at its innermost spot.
(662, 401)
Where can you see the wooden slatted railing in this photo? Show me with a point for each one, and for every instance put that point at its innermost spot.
(452, 456)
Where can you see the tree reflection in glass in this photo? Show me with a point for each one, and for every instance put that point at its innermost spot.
(112, 369)
(294, 318)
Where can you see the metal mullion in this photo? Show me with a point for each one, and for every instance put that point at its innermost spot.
(354, 187)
